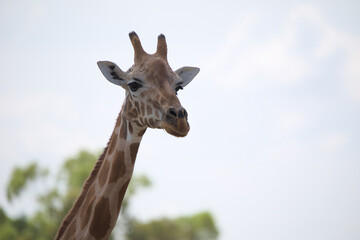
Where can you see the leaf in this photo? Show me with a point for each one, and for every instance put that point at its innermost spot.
(21, 177)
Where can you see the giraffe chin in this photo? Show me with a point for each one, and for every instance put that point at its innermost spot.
(180, 130)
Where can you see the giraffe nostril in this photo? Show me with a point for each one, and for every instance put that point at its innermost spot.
(177, 113)
(172, 112)
(181, 113)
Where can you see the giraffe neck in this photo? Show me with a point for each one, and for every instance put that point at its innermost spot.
(94, 214)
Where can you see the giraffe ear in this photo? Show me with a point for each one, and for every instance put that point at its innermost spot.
(187, 74)
(112, 72)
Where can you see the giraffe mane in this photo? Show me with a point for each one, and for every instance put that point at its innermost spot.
(76, 206)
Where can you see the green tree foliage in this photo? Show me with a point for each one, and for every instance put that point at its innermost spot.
(21, 177)
(197, 227)
(7, 227)
(57, 201)
(18, 229)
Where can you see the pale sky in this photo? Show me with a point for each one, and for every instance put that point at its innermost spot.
(274, 146)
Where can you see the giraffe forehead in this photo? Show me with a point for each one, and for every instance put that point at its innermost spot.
(155, 71)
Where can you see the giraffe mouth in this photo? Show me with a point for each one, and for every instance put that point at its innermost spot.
(178, 128)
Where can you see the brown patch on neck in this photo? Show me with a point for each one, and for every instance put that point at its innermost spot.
(118, 121)
(142, 132)
(148, 110)
(137, 106)
(133, 151)
(103, 174)
(131, 130)
(113, 142)
(122, 194)
(151, 122)
(118, 167)
(142, 107)
(86, 207)
(70, 232)
(100, 223)
(138, 123)
(123, 128)
(157, 114)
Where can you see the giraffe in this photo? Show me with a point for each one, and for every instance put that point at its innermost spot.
(150, 102)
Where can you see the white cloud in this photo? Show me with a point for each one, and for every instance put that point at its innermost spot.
(33, 120)
(351, 72)
(293, 121)
(243, 58)
(32, 104)
(333, 141)
(333, 40)
(254, 59)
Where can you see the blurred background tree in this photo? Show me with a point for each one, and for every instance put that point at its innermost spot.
(200, 226)
(58, 199)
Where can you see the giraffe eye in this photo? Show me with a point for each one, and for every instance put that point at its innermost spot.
(134, 86)
(178, 88)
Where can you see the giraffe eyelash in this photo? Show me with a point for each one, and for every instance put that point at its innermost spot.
(134, 86)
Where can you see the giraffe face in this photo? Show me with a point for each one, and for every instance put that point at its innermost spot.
(151, 93)
(151, 87)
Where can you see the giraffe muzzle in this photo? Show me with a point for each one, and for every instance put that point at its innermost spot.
(176, 123)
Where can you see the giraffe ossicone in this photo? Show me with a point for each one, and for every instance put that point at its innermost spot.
(151, 102)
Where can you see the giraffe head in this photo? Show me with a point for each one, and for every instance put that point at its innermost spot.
(151, 88)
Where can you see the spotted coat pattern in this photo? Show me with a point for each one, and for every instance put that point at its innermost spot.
(95, 212)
